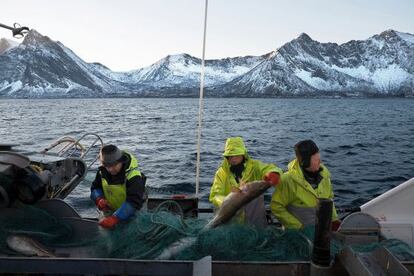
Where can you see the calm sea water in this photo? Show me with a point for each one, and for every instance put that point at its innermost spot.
(366, 143)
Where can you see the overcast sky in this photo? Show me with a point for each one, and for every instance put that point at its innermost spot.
(130, 34)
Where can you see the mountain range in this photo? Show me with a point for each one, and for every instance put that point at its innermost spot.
(382, 65)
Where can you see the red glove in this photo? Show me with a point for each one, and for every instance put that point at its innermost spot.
(102, 204)
(335, 225)
(272, 177)
(109, 222)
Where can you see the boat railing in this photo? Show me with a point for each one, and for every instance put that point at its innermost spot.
(68, 146)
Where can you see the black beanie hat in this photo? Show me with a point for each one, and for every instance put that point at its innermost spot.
(110, 155)
(304, 150)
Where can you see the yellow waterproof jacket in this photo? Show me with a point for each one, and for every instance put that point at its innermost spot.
(294, 201)
(224, 178)
(115, 193)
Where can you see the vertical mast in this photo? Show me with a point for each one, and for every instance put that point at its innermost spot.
(200, 108)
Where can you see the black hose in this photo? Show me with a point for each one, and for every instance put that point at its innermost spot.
(321, 254)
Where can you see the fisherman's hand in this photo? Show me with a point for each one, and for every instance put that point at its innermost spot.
(272, 177)
(102, 204)
(335, 225)
(109, 222)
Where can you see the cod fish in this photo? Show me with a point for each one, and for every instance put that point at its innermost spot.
(236, 200)
(27, 246)
(233, 202)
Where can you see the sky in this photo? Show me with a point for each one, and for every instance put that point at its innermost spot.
(126, 35)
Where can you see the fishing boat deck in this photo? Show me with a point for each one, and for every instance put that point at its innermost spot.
(201, 267)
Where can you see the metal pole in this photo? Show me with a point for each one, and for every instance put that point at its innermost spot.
(6, 27)
(200, 110)
(17, 30)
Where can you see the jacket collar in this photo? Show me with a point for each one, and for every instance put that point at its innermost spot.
(296, 173)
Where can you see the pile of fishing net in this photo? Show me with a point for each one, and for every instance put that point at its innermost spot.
(231, 242)
(150, 233)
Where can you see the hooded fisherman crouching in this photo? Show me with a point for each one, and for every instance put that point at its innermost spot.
(119, 187)
(294, 202)
(237, 169)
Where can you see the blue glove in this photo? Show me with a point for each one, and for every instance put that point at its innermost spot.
(125, 211)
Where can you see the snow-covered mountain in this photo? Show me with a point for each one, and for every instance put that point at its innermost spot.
(184, 70)
(40, 67)
(380, 65)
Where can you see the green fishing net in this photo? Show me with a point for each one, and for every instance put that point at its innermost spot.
(150, 233)
(235, 242)
(147, 235)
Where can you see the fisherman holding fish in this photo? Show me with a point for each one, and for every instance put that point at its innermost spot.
(236, 170)
(119, 187)
(294, 202)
